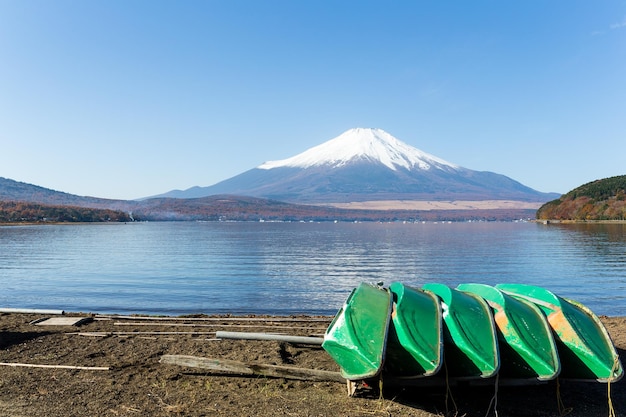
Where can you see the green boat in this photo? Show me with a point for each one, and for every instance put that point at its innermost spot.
(357, 337)
(470, 344)
(527, 347)
(585, 347)
(414, 344)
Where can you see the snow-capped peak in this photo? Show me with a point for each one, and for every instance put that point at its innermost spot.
(362, 144)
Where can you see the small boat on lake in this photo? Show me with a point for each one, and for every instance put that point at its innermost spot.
(414, 344)
(585, 347)
(470, 343)
(357, 337)
(527, 347)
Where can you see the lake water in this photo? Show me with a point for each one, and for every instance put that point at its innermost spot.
(289, 268)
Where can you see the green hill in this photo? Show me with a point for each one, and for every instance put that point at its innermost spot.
(603, 199)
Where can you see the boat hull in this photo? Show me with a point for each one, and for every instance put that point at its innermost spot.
(357, 337)
(470, 343)
(585, 347)
(527, 347)
(415, 345)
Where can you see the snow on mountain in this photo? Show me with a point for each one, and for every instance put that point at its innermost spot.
(366, 165)
(360, 144)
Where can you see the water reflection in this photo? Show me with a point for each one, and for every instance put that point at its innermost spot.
(288, 268)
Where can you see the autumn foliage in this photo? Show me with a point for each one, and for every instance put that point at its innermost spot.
(21, 212)
(598, 200)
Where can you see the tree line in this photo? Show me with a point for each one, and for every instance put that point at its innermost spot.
(613, 187)
(23, 212)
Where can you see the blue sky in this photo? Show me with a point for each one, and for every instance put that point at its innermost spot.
(126, 99)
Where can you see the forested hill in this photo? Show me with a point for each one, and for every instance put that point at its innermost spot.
(597, 200)
(11, 190)
(20, 212)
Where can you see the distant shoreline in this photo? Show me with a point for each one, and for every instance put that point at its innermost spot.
(552, 221)
(55, 223)
(543, 221)
(424, 205)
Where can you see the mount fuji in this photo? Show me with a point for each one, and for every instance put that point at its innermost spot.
(365, 165)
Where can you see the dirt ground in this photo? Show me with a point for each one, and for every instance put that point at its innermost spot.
(138, 384)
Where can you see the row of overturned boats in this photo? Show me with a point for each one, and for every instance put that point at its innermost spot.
(517, 333)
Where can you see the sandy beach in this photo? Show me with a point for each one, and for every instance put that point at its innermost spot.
(111, 366)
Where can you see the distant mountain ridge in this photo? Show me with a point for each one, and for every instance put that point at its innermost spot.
(361, 165)
(366, 165)
(11, 190)
(22, 202)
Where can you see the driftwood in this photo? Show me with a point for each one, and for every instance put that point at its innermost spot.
(241, 368)
(32, 365)
(304, 340)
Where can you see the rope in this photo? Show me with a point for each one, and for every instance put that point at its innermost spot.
(608, 387)
(494, 399)
(449, 392)
(563, 411)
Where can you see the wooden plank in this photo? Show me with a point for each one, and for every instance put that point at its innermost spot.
(269, 336)
(32, 365)
(243, 318)
(62, 321)
(254, 326)
(241, 368)
(104, 334)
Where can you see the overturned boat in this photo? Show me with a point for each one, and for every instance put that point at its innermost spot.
(357, 337)
(414, 344)
(585, 347)
(523, 334)
(470, 343)
(527, 347)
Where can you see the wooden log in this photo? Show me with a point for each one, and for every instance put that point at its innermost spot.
(32, 365)
(304, 340)
(241, 368)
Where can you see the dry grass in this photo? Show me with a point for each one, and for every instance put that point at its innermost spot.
(438, 205)
(138, 385)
